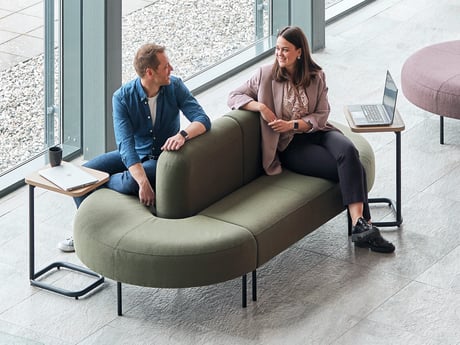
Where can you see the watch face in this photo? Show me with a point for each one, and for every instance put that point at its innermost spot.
(296, 125)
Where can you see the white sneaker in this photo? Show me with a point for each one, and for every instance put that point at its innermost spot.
(66, 245)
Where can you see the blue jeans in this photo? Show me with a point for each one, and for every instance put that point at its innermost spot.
(120, 179)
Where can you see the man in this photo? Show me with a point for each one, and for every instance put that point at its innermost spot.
(146, 122)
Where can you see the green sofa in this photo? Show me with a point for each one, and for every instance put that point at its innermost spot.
(219, 216)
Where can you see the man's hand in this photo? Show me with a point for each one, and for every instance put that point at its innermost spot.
(174, 143)
(146, 194)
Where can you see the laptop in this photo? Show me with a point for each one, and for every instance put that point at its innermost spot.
(377, 114)
(68, 176)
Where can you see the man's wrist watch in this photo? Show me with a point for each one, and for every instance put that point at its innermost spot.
(184, 134)
(296, 125)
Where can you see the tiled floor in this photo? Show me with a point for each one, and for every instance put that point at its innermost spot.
(322, 290)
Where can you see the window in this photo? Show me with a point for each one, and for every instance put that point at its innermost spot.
(29, 116)
(336, 9)
(197, 34)
(75, 59)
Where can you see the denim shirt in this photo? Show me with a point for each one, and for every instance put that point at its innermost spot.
(135, 135)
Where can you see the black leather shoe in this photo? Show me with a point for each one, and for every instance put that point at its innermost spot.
(364, 235)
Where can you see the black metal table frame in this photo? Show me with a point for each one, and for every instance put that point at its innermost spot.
(33, 276)
(396, 206)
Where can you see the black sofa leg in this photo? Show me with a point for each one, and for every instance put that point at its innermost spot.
(119, 299)
(441, 130)
(254, 285)
(244, 291)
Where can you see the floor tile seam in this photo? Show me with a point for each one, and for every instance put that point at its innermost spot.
(350, 260)
(355, 263)
(13, 55)
(88, 336)
(398, 327)
(369, 267)
(323, 256)
(32, 294)
(336, 340)
(9, 32)
(422, 122)
(387, 146)
(16, 338)
(431, 266)
(20, 35)
(331, 256)
(368, 316)
(426, 192)
(445, 174)
(6, 10)
(449, 291)
(370, 312)
(32, 332)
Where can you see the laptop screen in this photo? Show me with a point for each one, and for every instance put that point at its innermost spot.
(389, 95)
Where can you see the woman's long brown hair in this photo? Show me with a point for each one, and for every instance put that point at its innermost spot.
(306, 69)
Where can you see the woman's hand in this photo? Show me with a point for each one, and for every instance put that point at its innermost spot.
(281, 126)
(266, 113)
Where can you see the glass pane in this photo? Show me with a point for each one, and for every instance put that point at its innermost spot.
(197, 34)
(336, 8)
(22, 73)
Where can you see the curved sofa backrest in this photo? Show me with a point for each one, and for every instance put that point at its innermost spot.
(210, 166)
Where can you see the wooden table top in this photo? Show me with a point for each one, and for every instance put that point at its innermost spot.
(397, 125)
(34, 179)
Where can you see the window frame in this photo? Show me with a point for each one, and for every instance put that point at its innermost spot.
(88, 77)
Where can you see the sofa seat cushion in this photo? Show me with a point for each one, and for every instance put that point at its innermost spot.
(119, 238)
(279, 210)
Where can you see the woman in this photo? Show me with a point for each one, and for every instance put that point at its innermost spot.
(291, 97)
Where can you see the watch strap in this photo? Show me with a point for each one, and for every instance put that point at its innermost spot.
(184, 134)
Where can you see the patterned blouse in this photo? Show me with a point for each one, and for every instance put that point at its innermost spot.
(295, 106)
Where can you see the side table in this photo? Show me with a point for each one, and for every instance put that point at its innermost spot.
(35, 180)
(397, 127)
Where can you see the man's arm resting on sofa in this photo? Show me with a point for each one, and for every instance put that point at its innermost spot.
(175, 142)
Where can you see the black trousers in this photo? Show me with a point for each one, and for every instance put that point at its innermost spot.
(332, 156)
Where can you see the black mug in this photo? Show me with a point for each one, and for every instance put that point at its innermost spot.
(55, 156)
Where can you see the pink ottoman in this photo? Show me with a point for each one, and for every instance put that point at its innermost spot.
(430, 79)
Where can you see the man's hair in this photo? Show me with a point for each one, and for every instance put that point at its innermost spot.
(146, 57)
(306, 68)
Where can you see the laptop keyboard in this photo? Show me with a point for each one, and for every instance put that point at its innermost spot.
(372, 113)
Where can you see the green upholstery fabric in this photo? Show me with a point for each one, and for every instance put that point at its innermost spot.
(184, 177)
(219, 216)
(279, 210)
(119, 238)
(224, 159)
(249, 125)
(366, 154)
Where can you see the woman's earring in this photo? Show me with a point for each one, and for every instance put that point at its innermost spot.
(298, 57)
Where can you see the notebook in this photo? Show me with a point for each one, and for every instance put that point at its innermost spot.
(377, 114)
(68, 176)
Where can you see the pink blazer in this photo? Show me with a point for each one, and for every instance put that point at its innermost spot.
(262, 88)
